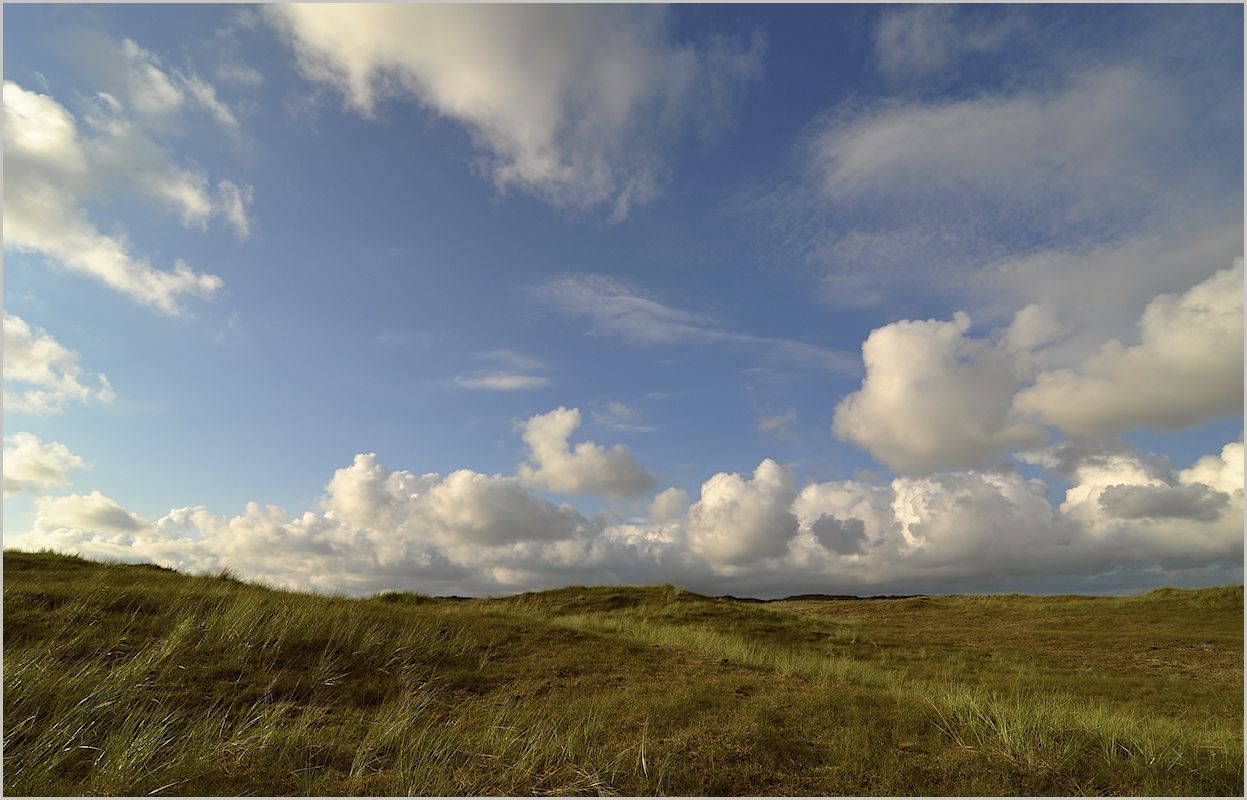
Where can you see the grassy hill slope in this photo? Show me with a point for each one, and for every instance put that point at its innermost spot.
(136, 680)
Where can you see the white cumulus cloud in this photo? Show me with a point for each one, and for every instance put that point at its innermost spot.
(586, 468)
(42, 376)
(32, 466)
(1128, 519)
(669, 504)
(934, 398)
(738, 521)
(1186, 368)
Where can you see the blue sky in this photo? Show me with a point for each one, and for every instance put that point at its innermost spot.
(420, 232)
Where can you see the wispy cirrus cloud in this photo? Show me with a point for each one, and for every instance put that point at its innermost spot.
(617, 309)
(617, 416)
(514, 371)
(496, 381)
(926, 42)
(1111, 150)
(583, 126)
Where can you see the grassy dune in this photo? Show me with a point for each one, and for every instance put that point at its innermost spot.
(136, 680)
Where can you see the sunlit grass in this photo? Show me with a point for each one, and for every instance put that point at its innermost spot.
(132, 680)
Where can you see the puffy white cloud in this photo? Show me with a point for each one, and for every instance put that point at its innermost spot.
(572, 103)
(934, 398)
(1127, 520)
(49, 167)
(32, 466)
(489, 509)
(669, 504)
(1223, 472)
(587, 468)
(85, 513)
(1128, 506)
(41, 376)
(997, 528)
(1186, 368)
(376, 528)
(737, 521)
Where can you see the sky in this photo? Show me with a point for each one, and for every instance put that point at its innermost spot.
(755, 300)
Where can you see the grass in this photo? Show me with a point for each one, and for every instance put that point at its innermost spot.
(140, 681)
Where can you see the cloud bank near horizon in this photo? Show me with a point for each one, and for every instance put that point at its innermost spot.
(1127, 516)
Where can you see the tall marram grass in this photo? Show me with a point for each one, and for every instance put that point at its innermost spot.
(1040, 731)
(120, 680)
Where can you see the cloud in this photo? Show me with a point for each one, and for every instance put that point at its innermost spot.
(235, 201)
(737, 521)
(1068, 458)
(575, 105)
(515, 374)
(1082, 145)
(464, 507)
(1223, 472)
(512, 359)
(779, 424)
(587, 468)
(1114, 149)
(466, 532)
(205, 93)
(917, 42)
(42, 376)
(959, 526)
(843, 536)
(485, 509)
(934, 398)
(1136, 501)
(619, 416)
(136, 79)
(669, 504)
(32, 466)
(1195, 502)
(82, 513)
(50, 167)
(147, 88)
(1187, 368)
(618, 310)
(376, 528)
(240, 75)
(498, 381)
